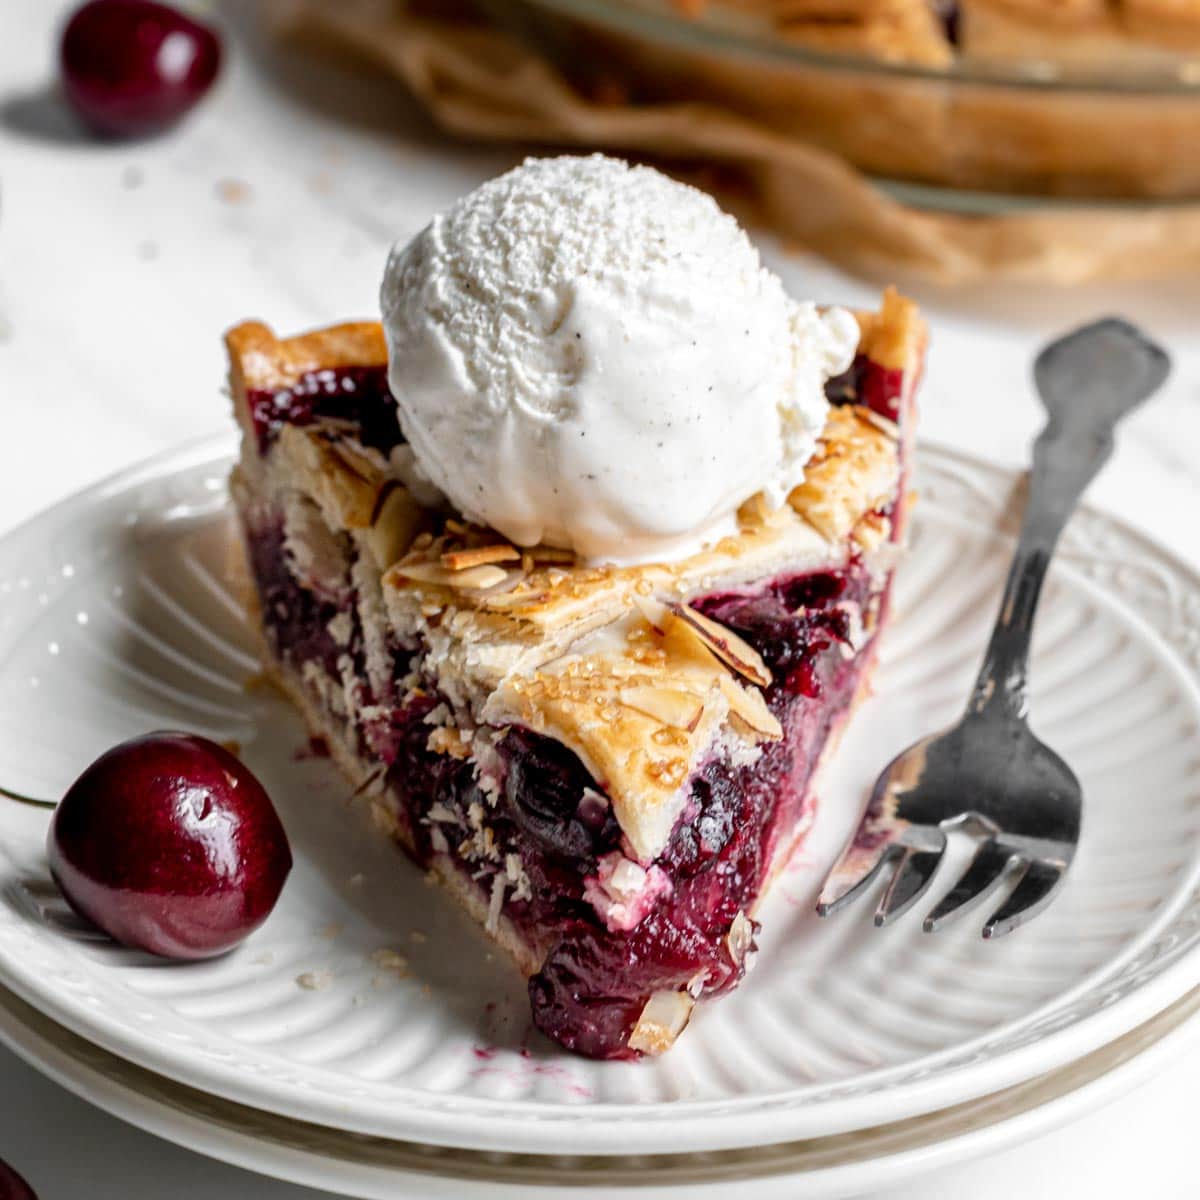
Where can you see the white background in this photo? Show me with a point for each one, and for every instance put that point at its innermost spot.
(121, 265)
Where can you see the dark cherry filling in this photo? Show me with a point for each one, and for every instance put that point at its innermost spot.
(546, 794)
(358, 394)
(295, 618)
(595, 981)
(865, 382)
(361, 395)
(545, 808)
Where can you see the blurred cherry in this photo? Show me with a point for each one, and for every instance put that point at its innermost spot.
(12, 1186)
(171, 845)
(134, 67)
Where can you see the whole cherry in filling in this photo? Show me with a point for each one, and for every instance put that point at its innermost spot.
(169, 844)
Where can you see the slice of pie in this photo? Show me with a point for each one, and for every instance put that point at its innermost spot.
(607, 766)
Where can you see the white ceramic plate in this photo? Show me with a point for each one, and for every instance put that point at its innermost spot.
(852, 1164)
(116, 616)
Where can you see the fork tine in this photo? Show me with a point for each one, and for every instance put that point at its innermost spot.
(1035, 890)
(836, 893)
(986, 867)
(911, 878)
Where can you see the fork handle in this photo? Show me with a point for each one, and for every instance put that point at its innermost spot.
(1087, 381)
(1065, 461)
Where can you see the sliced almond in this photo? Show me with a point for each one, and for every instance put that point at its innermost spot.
(735, 653)
(740, 938)
(751, 709)
(722, 643)
(754, 511)
(480, 556)
(395, 524)
(885, 425)
(663, 1019)
(355, 462)
(473, 579)
(421, 572)
(515, 599)
(679, 710)
(546, 555)
(447, 740)
(340, 426)
(872, 531)
(477, 579)
(657, 614)
(346, 497)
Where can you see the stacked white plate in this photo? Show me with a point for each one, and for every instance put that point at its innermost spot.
(367, 1041)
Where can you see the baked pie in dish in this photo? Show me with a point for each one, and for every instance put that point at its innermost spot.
(935, 33)
(605, 762)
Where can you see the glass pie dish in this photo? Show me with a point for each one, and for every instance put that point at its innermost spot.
(1056, 101)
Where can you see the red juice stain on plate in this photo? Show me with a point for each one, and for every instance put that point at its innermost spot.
(315, 747)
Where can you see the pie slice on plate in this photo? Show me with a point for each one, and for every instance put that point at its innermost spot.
(606, 765)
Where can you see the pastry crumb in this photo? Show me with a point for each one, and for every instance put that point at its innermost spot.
(418, 938)
(314, 981)
(389, 960)
(356, 880)
(332, 930)
(233, 191)
(261, 683)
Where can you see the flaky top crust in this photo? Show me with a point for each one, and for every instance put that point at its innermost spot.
(853, 473)
(261, 361)
(577, 652)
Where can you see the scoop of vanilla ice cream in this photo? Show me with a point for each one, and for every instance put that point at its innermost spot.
(590, 355)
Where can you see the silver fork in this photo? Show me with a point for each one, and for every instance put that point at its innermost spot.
(988, 775)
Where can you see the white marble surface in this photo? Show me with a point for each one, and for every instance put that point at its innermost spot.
(121, 265)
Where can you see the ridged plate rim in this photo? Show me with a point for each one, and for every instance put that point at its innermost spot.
(1150, 975)
(376, 1169)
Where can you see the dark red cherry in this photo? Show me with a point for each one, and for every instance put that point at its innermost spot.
(134, 67)
(12, 1186)
(170, 844)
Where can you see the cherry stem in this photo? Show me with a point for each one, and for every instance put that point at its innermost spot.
(8, 795)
